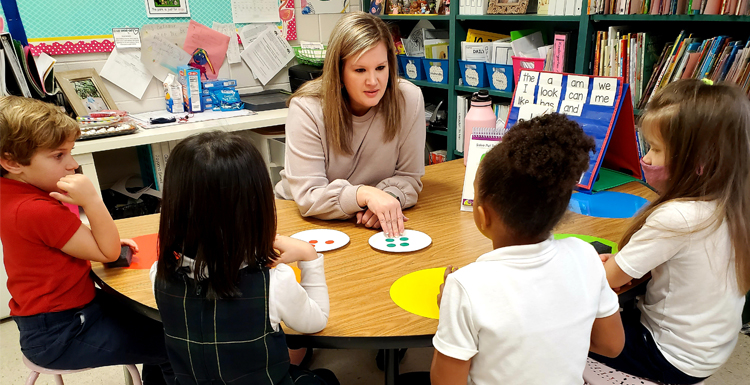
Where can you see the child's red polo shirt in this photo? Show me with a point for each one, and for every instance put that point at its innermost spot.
(33, 228)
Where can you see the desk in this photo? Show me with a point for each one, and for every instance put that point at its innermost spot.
(83, 151)
(359, 278)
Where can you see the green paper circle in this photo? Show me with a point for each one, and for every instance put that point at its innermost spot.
(589, 239)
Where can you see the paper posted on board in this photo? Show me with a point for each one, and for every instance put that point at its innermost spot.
(162, 57)
(268, 54)
(233, 50)
(125, 70)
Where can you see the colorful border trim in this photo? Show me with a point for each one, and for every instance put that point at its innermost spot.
(66, 45)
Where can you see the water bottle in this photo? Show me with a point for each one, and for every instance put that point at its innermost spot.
(480, 115)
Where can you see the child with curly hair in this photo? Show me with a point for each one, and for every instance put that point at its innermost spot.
(529, 311)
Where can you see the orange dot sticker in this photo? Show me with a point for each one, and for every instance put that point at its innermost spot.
(329, 242)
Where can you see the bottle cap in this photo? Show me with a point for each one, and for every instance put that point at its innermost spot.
(481, 96)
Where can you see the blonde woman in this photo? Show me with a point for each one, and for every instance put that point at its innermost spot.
(355, 136)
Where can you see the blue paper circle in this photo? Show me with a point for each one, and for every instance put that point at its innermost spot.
(606, 204)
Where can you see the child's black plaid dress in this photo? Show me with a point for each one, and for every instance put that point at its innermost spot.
(226, 341)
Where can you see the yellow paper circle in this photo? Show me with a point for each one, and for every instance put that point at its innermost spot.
(417, 292)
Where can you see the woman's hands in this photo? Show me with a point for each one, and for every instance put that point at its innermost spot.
(293, 250)
(369, 219)
(384, 210)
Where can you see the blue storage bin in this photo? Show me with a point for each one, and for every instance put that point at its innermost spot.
(477, 73)
(412, 67)
(435, 70)
(400, 65)
(500, 77)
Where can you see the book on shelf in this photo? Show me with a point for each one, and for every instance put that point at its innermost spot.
(560, 53)
(14, 78)
(146, 163)
(477, 36)
(668, 7)
(462, 107)
(649, 62)
(158, 158)
(720, 58)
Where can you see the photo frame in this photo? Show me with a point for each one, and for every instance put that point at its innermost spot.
(507, 7)
(85, 91)
(167, 8)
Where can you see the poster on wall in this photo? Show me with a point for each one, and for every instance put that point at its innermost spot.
(316, 7)
(167, 8)
(288, 20)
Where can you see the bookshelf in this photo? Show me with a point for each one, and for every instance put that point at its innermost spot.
(582, 28)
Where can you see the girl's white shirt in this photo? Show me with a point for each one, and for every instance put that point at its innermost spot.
(692, 305)
(303, 306)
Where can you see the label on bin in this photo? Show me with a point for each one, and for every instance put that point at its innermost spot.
(499, 80)
(436, 74)
(411, 70)
(472, 77)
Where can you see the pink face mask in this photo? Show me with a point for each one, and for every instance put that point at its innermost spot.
(656, 176)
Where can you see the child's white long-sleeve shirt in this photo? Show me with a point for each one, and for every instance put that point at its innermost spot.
(302, 306)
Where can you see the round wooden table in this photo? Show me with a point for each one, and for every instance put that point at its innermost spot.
(359, 277)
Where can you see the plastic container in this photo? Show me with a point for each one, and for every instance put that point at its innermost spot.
(412, 67)
(480, 116)
(500, 77)
(473, 73)
(436, 70)
(530, 63)
(310, 56)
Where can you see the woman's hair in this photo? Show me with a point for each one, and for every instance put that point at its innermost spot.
(354, 34)
(705, 130)
(217, 208)
(528, 178)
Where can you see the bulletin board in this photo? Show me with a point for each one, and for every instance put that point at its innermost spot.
(86, 25)
(601, 105)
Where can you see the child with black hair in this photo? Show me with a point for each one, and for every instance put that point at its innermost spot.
(529, 311)
(219, 300)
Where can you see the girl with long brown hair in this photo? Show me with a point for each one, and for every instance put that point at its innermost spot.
(355, 136)
(694, 238)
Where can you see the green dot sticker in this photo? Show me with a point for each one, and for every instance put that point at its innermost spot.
(408, 242)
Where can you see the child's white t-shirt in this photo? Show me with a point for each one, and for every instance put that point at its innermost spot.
(524, 314)
(692, 306)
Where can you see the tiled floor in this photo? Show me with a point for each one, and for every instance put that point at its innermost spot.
(351, 366)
